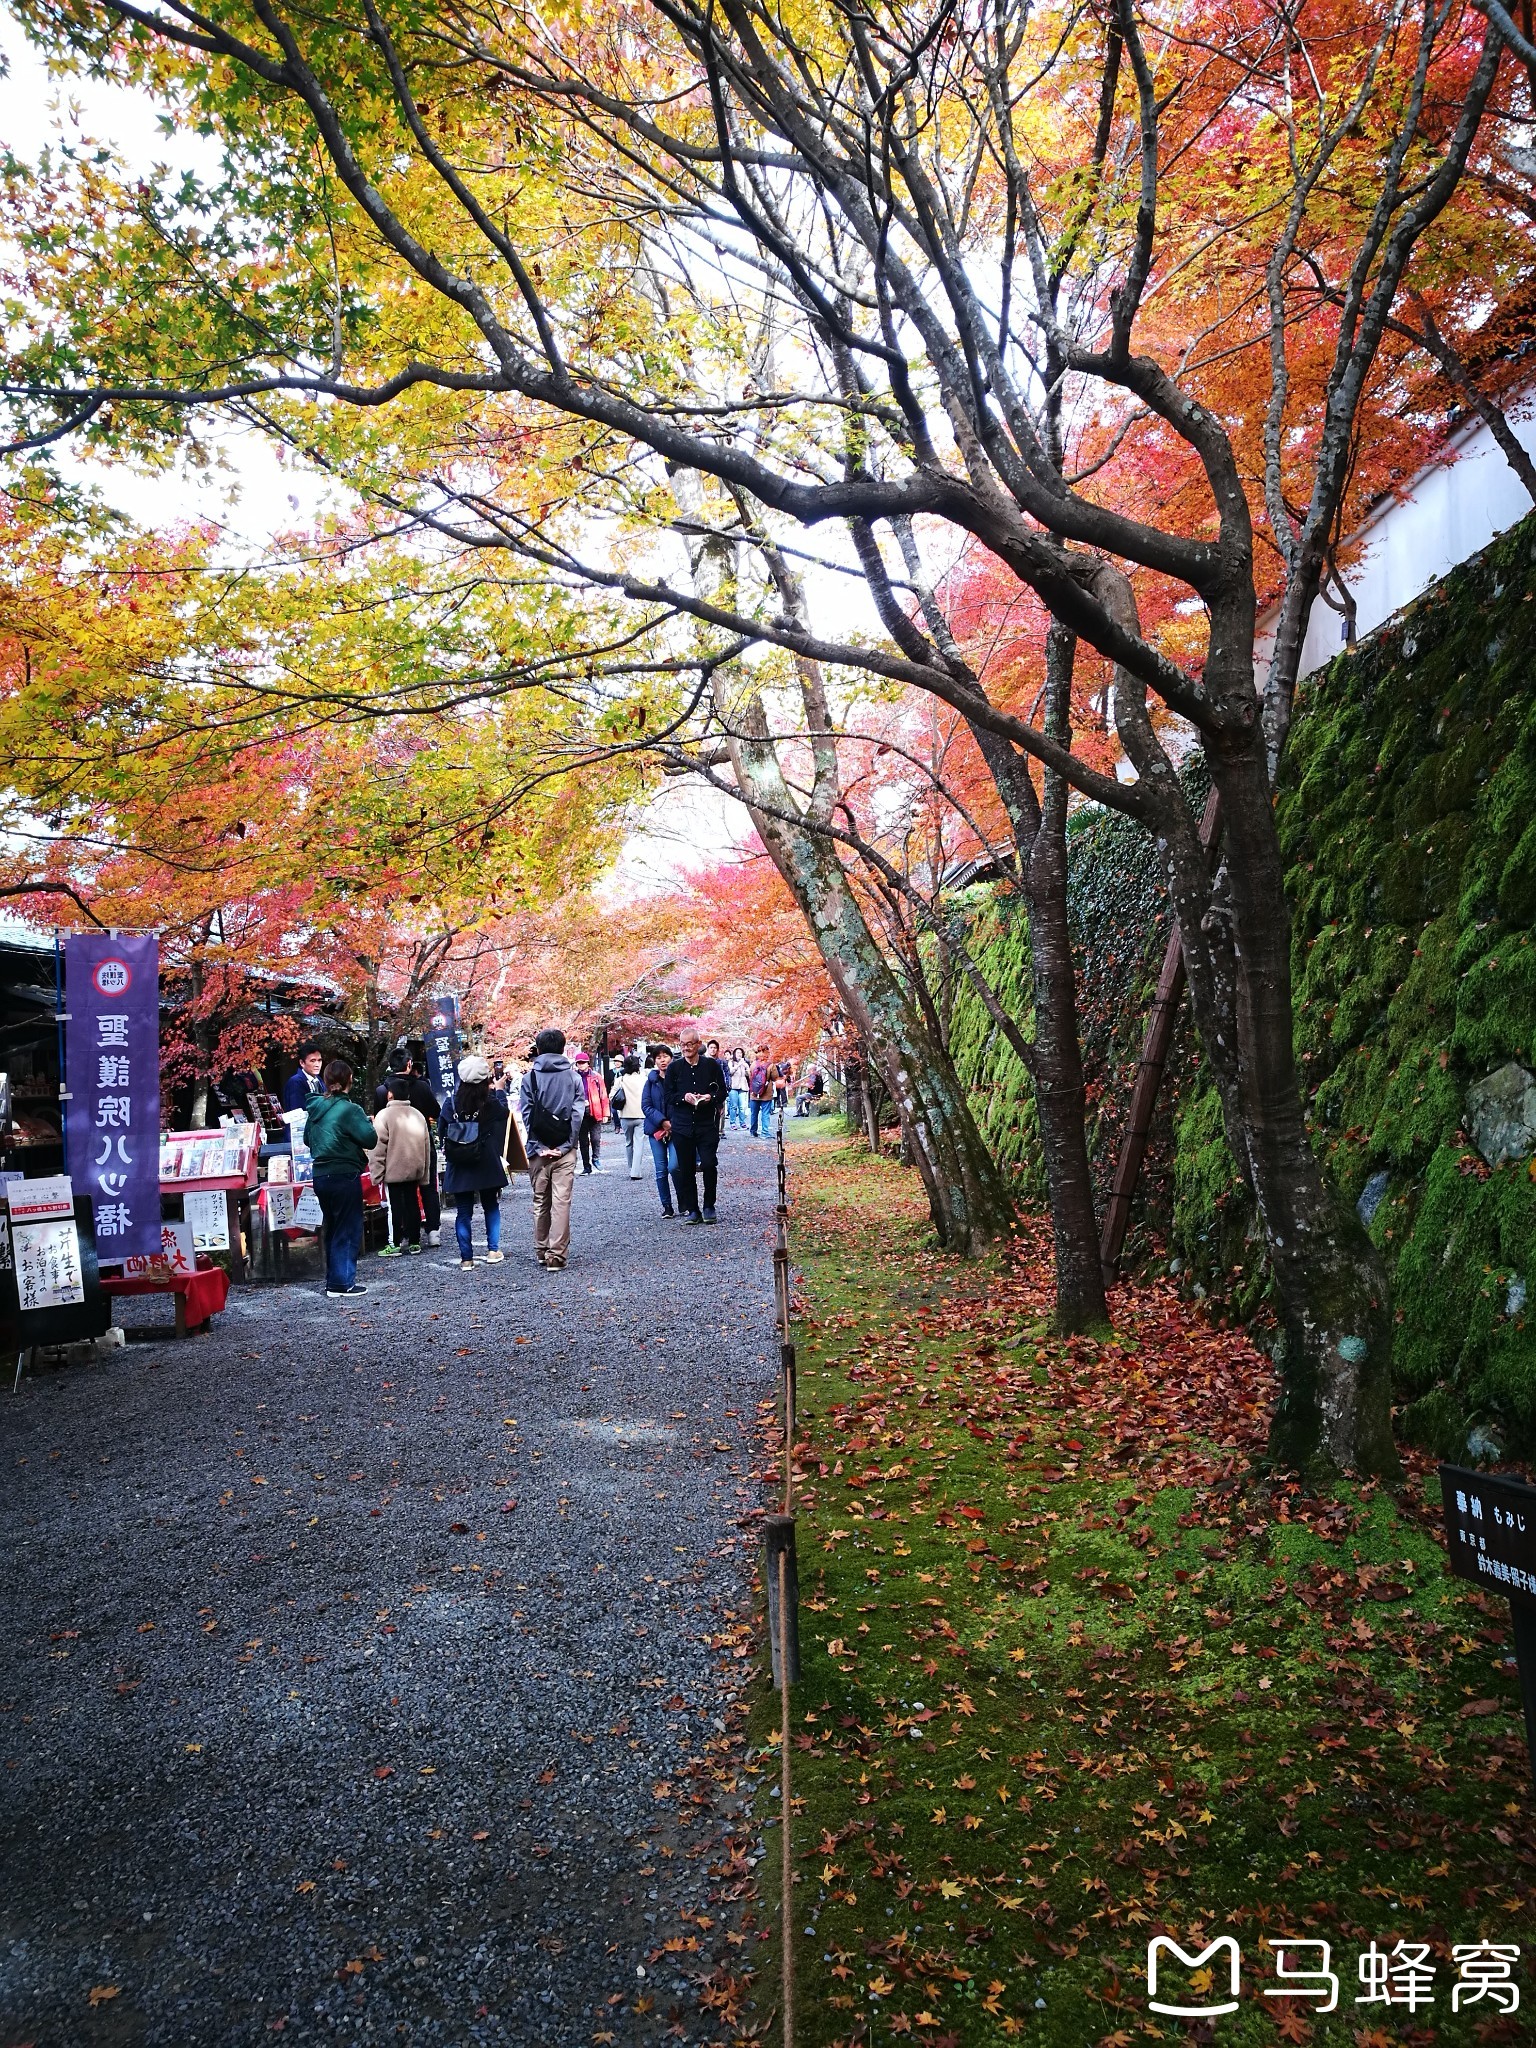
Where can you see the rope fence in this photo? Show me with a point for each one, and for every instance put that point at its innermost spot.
(781, 1580)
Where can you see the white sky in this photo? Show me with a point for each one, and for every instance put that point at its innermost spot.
(253, 495)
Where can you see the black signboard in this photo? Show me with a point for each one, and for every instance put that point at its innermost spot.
(1490, 1525)
(24, 1329)
(443, 1045)
(1490, 1529)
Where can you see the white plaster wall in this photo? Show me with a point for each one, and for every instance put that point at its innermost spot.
(1450, 512)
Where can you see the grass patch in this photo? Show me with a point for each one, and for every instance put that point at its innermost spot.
(1074, 1675)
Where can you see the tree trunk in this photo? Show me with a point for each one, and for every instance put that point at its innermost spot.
(1060, 1093)
(203, 1041)
(968, 1198)
(1335, 1410)
(853, 1089)
(1056, 1068)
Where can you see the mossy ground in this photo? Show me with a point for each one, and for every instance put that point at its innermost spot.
(1072, 1677)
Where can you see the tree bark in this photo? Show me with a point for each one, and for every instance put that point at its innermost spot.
(1335, 1356)
(1060, 1091)
(1056, 1064)
(968, 1198)
(1335, 1410)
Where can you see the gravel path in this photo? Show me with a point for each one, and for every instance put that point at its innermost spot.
(304, 1730)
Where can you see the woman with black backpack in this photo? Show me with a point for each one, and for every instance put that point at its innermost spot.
(473, 1127)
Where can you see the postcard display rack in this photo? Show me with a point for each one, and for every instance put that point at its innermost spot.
(288, 1209)
(213, 1174)
(50, 1286)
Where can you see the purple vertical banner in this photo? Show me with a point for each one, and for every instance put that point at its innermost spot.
(112, 1073)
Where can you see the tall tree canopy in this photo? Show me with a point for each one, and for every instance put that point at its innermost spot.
(1133, 298)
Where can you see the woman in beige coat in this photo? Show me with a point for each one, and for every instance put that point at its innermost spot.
(401, 1162)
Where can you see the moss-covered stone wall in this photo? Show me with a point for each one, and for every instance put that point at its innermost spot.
(1120, 922)
(1408, 815)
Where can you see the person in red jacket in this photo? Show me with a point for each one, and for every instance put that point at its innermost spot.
(596, 1116)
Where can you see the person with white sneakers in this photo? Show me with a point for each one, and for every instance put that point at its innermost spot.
(473, 1127)
(629, 1096)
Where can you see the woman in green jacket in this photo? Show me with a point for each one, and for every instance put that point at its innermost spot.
(340, 1137)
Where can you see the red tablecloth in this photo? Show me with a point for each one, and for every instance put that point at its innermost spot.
(206, 1290)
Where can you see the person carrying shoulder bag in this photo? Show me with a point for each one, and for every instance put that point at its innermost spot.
(553, 1103)
(474, 1128)
(628, 1099)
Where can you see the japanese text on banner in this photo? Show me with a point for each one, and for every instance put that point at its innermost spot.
(112, 1074)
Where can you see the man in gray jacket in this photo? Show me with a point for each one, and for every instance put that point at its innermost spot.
(553, 1102)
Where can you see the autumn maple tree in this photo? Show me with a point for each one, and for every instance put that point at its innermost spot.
(162, 771)
(1120, 296)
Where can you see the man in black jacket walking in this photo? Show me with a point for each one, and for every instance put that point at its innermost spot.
(696, 1092)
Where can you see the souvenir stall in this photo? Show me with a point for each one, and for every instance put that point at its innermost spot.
(287, 1209)
(210, 1177)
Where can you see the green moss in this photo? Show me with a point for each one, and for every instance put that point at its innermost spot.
(1120, 921)
(1001, 1097)
(1050, 1702)
(1408, 815)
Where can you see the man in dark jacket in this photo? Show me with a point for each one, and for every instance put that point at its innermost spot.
(696, 1092)
(553, 1102)
(300, 1089)
(653, 1104)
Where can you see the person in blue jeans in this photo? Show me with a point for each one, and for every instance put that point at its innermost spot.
(739, 1074)
(476, 1173)
(760, 1089)
(340, 1136)
(653, 1102)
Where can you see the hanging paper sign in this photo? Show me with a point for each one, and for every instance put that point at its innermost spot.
(48, 1272)
(303, 1159)
(443, 1046)
(112, 1072)
(30, 1201)
(279, 1204)
(307, 1213)
(208, 1216)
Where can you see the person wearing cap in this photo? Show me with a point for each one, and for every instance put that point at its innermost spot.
(596, 1116)
(553, 1104)
(301, 1088)
(475, 1171)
